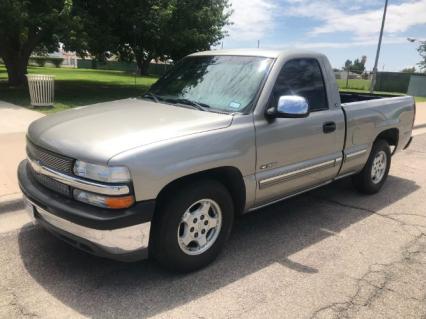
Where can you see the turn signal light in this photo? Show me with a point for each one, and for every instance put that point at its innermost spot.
(104, 201)
(119, 202)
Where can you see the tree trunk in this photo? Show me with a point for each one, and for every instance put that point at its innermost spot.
(143, 64)
(94, 63)
(16, 69)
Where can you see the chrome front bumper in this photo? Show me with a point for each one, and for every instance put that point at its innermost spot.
(128, 243)
(118, 234)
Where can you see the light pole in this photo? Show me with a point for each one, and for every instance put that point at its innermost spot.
(379, 45)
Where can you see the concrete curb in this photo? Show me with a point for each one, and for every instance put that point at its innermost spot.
(419, 131)
(11, 202)
(10, 197)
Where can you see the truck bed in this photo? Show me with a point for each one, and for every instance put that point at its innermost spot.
(349, 97)
(369, 114)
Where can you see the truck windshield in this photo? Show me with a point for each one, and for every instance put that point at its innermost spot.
(217, 83)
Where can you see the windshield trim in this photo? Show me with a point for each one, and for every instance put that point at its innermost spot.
(252, 105)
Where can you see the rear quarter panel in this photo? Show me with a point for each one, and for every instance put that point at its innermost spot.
(367, 119)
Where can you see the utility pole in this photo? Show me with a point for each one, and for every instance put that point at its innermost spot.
(347, 77)
(134, 43)
(373, 80)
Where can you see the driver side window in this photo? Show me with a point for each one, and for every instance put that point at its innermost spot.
(303, 77)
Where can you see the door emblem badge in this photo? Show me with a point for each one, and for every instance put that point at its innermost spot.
(268, 165)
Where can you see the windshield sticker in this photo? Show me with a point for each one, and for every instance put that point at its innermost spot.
(234, 105)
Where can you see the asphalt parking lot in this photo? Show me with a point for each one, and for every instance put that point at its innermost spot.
(330, 253)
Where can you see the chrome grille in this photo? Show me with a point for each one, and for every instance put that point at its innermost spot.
(50, 183)
(49, 159)
(54, 161)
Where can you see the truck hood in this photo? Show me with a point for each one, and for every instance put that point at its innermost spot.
(100, 131)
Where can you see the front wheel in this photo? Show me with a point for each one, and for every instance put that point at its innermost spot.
(375, 172)
(192, 225)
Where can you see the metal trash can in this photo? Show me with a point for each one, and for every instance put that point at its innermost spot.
(42, 89)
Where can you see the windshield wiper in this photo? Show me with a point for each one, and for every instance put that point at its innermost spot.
(197, 105)
(153, 96)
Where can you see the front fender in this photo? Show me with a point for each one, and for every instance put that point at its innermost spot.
(156, 165)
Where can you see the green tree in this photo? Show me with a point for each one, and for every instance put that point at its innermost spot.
(409, 70)
(422, 52)
(164, 29)
(348, 65)
(143, 24)
(27, 25)
(99, 33)
(133, 29)
(357, 66)
(196, 25)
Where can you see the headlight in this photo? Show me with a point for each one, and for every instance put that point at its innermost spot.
(104, 201)
(101, 173)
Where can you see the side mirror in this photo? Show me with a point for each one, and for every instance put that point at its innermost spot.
(290, 106)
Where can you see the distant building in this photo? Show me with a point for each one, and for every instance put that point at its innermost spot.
(70, 58)
(343, 75)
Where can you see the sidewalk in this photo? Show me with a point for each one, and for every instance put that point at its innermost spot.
(14, 121)
(420, 123)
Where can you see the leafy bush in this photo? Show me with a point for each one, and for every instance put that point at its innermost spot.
(56, 61)
(40, 61)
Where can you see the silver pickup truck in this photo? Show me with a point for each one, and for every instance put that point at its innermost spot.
(221, 134)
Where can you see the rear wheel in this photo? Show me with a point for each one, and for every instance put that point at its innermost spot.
(192, 225)
(371, 179)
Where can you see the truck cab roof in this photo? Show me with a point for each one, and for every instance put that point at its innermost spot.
(259, 52)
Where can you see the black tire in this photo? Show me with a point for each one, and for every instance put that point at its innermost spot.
(164, 246)
(363, 181)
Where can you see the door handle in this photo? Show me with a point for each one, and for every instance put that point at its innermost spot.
(329, 127)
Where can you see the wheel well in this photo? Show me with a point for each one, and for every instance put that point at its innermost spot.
(391, 136)
(229, 176)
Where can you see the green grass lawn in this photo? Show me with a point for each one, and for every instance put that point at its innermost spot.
(76, 87)
(420, 99)
(355, 84)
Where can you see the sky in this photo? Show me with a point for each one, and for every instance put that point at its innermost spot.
(341, 29)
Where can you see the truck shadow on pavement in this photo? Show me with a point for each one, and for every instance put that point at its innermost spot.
(97, 287)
